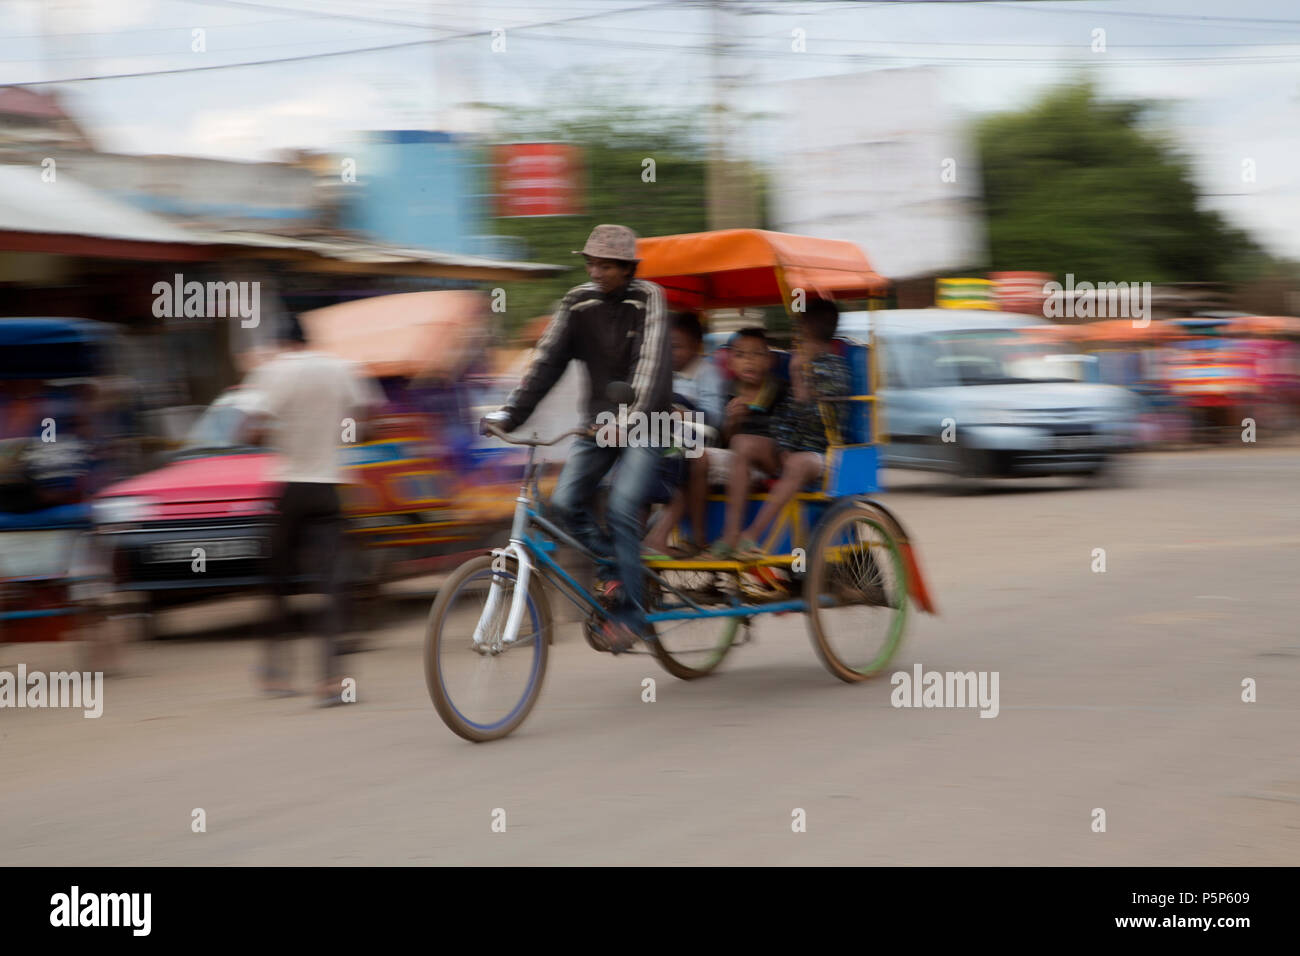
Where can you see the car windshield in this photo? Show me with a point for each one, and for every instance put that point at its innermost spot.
(218, 430)
(997, 357)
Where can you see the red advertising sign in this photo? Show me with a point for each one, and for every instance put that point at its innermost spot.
(1020, 291)
(537, 179)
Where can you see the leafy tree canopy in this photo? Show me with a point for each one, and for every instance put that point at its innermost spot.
(1075, 184)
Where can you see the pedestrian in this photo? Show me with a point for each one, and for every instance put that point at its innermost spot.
(314, 401)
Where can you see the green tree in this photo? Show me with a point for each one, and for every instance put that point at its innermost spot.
(1075, 184)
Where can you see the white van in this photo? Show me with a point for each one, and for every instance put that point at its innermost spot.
(963, 391)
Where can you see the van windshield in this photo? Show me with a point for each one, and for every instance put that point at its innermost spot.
(995, 357)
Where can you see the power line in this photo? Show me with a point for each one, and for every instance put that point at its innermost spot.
(129, 56)
(735, 50)
(319, 56)
(134, 30)
(330, 15)
(751, 52)
(1191, 18)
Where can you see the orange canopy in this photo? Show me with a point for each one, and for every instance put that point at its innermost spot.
(411, 334)
(732, 268)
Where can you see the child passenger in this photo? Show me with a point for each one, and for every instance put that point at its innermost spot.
(697, 387)
(790, 443)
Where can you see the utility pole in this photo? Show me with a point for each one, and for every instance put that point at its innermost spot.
(715, 177)
(730, 194)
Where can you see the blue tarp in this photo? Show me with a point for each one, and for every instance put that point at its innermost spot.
(62, 516)
(51, 348)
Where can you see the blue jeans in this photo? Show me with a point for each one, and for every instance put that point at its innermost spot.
(576, 489)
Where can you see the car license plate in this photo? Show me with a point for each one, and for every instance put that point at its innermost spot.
(222, 549)
(1074, 442)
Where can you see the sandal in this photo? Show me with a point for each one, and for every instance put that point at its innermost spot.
(748, 550)
(721, 550)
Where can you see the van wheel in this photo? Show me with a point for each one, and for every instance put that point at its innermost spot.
(1114, 472)
(972, 466)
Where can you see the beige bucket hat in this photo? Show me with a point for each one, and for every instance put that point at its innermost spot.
(610, 242)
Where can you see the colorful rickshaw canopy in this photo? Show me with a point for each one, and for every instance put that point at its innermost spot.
(733, 268)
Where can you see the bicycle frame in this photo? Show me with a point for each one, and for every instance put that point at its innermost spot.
(532, 555)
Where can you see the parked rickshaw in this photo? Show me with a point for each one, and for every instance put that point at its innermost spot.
(835, 554)
(55, 450)
(1213, 376)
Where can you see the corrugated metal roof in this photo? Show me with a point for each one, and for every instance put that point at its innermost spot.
(68, 207)
(368, 252)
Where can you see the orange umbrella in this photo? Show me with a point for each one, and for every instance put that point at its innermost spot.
(412, 334)
(732, 268)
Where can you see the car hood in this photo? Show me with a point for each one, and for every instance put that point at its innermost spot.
(1037, 397)
(219, 478)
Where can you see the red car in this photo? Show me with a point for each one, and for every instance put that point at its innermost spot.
(200, 525)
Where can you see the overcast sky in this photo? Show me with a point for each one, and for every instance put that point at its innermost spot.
(1229, 73)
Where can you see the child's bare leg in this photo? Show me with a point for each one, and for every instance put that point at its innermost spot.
(669, 515)
(746, 450)
(797, 470)
(697, 490)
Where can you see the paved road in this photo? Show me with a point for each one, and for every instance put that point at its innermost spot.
(1119, 690)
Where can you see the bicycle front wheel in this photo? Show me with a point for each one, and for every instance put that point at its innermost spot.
(481, 685)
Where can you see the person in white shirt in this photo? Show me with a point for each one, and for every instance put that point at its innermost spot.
(315, 401)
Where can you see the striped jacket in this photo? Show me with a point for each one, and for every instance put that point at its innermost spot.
(620, 337)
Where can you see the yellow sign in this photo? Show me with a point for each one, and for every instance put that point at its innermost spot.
(964, 294)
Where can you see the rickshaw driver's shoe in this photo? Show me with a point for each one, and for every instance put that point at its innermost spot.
(618, 637)
(623, 631)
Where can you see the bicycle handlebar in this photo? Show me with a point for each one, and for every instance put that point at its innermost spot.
(705, 430)
(506, 437)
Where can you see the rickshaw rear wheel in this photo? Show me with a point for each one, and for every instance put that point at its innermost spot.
(689, 649)
(856, 591)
